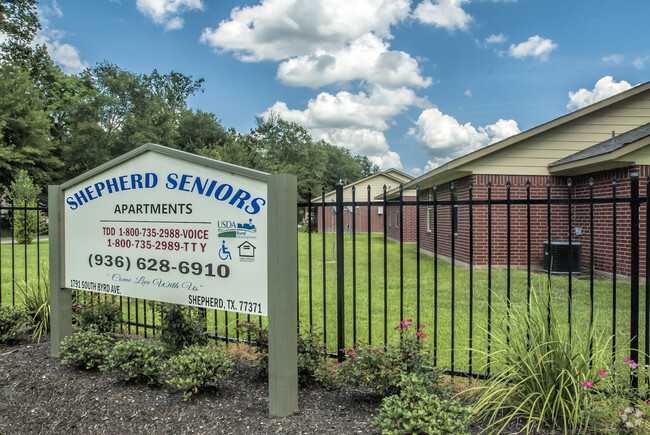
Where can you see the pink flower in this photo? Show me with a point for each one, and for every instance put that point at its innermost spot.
(633, 365)
(339, 364)
(587, 384)
(421, 326)
(333, 372)
(627, 360)
(79, 306)
(648, 402)
(602, 372)
(424, 335)
(409, 320)
(396, 328)
(352, 352)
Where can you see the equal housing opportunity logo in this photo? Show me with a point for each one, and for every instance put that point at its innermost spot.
(239, 230)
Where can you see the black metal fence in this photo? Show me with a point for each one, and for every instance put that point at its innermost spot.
(474, 256)
(455, 282)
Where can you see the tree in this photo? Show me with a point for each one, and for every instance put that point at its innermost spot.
(18, 20)
(288, 147)
(26, 223)
(199, 131)
(24, 129)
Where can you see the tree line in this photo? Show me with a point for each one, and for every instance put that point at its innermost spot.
(55, 126)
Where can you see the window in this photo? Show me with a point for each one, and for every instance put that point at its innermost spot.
(429, 213)
(396, 218)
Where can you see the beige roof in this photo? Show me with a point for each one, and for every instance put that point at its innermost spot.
(390, 177)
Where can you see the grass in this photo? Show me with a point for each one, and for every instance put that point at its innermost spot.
(393, 296)
(436, 295)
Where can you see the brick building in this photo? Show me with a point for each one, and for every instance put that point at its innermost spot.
(364, 190)
(606, 140)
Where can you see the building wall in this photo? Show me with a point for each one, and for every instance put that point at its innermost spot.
(517, 243)
(532, 156)
(359, 219)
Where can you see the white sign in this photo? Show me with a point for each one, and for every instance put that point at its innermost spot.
(171, 230)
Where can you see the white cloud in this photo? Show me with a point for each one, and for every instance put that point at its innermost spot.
(281, 29)
(67, 56)
(366, 58)
(372, 110)
(354, 121)
(443, 13)
(63, 54)
(639, 62)
(613, 59)
(535, 46)
(168, 12)
(468, 93)
(445, 138)
(496, 39)
(604, 88)
(502, 129)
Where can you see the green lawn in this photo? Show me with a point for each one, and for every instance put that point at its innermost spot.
(369, 323)
(429, 310)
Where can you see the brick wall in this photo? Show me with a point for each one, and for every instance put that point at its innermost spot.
(360, 219)
(517, 244)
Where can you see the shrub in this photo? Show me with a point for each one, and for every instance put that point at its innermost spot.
(12, 319)
(181, 326)
(137, 361)
(311, 353)
(37, 303)
(381, 369)
(258, 338)
(544, 371)
(310, 348)
(614, 403)
(85, 349)
(416, 411)
(104, 316)
(197, 365)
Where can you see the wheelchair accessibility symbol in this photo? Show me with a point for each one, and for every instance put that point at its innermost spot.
(224, 253)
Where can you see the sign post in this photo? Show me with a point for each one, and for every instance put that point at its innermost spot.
(165, 225)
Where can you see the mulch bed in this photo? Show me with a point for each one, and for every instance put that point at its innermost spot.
(39, 395)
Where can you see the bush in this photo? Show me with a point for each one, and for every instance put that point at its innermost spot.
(382, 369)
(12, 319)
(544, 371)
(311, 353)
(416, 411)
(137, 361)
(197, 365)
(258, 338)
(37, 303)
(104, 316)
(181, 326)
(85, 349)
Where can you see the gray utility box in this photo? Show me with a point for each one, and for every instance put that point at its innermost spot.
(559, 257)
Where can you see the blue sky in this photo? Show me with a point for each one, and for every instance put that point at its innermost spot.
(410, 84)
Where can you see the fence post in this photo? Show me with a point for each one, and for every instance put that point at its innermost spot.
(340, 274)
(60, 297)
(634, 271)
